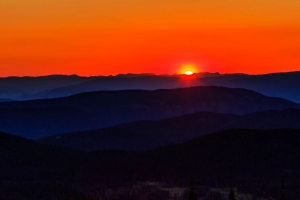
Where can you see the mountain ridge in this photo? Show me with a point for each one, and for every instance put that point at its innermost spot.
(94, 110)
(281, 84)
(145, 135)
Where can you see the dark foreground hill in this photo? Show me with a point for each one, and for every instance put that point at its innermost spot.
(144, 135)
(22, 158)
(33, 171)
(252, 160)
(88, 111)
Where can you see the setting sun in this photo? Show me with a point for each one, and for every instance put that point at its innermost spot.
(188, 73)
(188, 69)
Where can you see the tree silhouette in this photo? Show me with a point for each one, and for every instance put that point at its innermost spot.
(192, 194)
(231, 195)
(282, 190)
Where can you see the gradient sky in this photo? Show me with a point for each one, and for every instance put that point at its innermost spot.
(97, 37)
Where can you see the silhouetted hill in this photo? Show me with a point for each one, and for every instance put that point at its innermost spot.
(251, 159)
(33, 171)
(144, 135)
(284, 85)
(24, 159)
(235, 153)
(88, 111)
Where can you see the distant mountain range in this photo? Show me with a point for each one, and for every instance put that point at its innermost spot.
(111, 83)
(18, 88)
(145, 135)
(88, 111)
(284, 85)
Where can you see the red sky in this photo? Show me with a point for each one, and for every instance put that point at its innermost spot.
(110, 37)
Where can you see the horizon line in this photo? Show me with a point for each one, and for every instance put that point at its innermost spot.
(148, 74)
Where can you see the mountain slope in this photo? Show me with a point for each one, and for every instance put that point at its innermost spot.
(22, 158)
(144, 135)
(21, 88)
(284, 85)
(251, 159)
(144, 82)
(87, 111)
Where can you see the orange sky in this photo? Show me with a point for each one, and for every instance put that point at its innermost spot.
(96, 37)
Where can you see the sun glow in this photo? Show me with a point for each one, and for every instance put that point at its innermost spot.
(188, 73)
(188, 69)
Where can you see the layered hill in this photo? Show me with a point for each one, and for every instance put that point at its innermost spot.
(111, 83)
(145, 135)
(283, 85)
(21, 88)
(88, 111)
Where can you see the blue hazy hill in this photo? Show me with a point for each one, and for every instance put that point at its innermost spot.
(88, 111)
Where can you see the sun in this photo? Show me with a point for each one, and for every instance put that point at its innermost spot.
(188, 69)
(188, 73)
